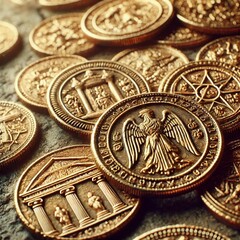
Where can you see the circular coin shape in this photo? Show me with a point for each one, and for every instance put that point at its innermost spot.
(157, 144)
(214, 85)
(18, 129)
(217, 17)
(9, 40)
(61, 34)
(81, 93)
(32, 82)
(181, 232)
(125, 22)
(221, 195)
(225, 50)
(63, 195)
(154, 62)
(65, 4)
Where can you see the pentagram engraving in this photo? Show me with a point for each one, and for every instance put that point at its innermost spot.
(161, 155)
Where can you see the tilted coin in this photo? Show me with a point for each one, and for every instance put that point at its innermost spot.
(180, 36)
(126, 22)
(81, 93)
(214, 85)
(18, 129)
(9, 40)
(182, 232)
(226, 50)
(61, 34)
(32, 82)
(157, 143)
(65, 4)
(215, 17)
(154, 62)
(63, 195)
(221, 195)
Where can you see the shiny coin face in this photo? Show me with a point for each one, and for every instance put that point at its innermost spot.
(60, 34)
(154, 62)
(182, 232)
(214, 85)
(216, 17)
(221, 195)
(157, 144)
(63, 195)
(125, 22)
(225, 50)
(81, 93)
(9, 39)
(32, 82)
(17, 131)
(64, 4)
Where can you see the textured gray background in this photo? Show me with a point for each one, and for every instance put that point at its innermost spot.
(155, 211)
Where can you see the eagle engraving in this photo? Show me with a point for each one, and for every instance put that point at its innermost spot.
(161, 155)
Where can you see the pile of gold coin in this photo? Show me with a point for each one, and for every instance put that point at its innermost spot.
(149, 120)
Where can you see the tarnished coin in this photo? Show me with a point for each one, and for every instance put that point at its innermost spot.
(63, 195)
(32, 82)
(18, 129)
(214, 85)
(123, 22)
(221, 195)
(154, 62)
(226, 50)
(214, 17)
(9, 40)
(179, 36)
(65, 4)
(182, 232)
(81, 93)
(61, 34)
(157, 143)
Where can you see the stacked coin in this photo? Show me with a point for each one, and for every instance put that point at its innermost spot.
(156, 120)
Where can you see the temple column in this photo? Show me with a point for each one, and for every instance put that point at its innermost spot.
(117, 94)
(110, 194)
(76, 205)
(42, 217)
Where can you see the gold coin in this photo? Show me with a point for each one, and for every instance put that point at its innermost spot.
(32, 82)
(65, 4)
(61, 34)
(18, 129)
(182, 232)
(179, 36)
(63, 195)
(9, 40)
(126, 22)
(215, 17)
(214, 85)
(226, 50)
(157, 143)
(221, 195)
(81, 93)
(154, 62)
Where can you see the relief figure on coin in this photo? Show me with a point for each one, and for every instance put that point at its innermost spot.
(161, 155)
(62, 216)
(95, 202)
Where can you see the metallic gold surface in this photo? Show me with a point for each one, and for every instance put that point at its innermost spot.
(215, 85)
(182, 232)
(221, 195)
(154, 62)
(125, 22)
(60, 34)
(18, 130)
(157, 144)
(32, 82)
(62, 195)
(81, 93)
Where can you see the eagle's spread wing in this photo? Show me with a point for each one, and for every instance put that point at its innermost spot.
(174, 128)
(133, 138)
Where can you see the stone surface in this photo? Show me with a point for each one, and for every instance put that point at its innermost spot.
(155, 211)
